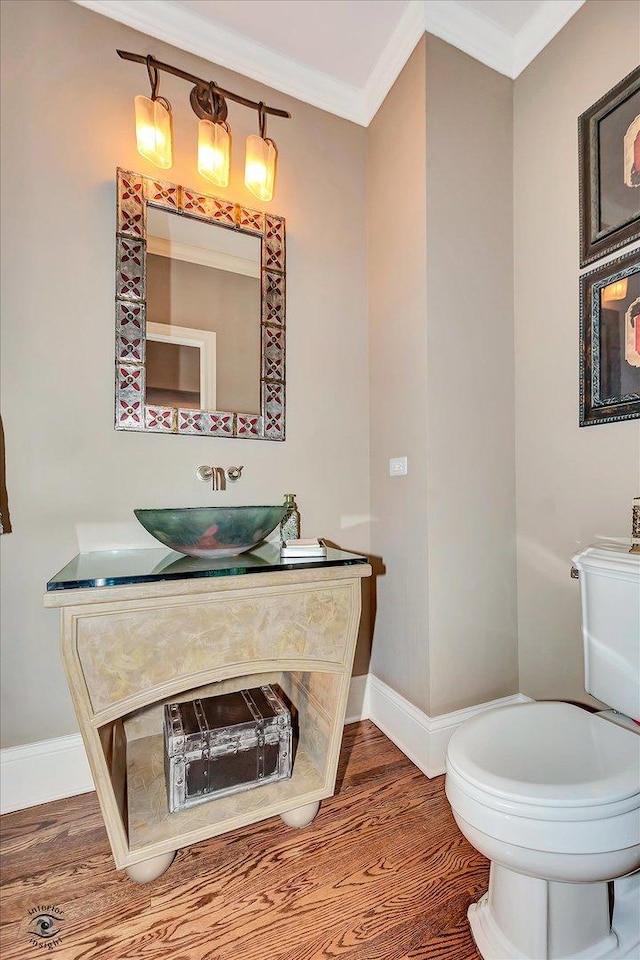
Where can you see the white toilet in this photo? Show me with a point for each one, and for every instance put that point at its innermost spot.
(550, 794)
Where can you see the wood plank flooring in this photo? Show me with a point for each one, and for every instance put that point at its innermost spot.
(381, 874)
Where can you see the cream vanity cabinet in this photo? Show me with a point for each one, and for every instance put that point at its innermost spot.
(141, 628)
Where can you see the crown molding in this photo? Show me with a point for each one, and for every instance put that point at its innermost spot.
(399, 48)
(480, 38)
(204, 257)
(473, 34)
(487, 42)
(188, 31)
(542, 27)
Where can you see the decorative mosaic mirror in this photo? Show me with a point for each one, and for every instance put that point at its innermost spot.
(200, 314)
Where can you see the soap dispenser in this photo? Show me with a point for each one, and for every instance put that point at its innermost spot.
(290, 523)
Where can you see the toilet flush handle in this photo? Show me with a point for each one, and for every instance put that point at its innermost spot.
(575, 573)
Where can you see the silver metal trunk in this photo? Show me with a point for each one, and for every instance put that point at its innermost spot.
(216, 746)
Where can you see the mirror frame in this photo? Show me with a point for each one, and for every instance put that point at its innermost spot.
(135, 193)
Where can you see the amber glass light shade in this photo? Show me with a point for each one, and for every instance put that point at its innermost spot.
(615, 291)
(214, 152)
(260, 167)
(153, 131)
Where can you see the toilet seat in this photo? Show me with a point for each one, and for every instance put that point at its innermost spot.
(547, 755)
(549, 777)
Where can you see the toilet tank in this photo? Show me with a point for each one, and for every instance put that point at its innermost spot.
(610, 594)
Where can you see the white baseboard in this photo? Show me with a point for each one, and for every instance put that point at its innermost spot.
(358, 700)
(44, 771)
(54, 769)
(421, 738)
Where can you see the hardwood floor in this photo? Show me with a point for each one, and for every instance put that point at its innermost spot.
(381, 874)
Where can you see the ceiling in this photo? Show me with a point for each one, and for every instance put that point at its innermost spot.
(342, 55)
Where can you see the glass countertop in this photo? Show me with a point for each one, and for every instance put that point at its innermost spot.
(111, 568)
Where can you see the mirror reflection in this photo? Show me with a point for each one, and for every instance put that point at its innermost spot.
(203, 315)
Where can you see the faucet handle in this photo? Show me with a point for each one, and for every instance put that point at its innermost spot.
(204, 473)
(233, 473)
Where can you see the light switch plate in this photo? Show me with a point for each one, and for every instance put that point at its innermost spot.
(398, 467)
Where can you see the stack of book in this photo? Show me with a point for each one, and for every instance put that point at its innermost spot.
(300, 549)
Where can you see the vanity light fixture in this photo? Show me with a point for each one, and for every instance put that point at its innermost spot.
(153, 123)
(214, 142)
(209, 103)
(260, 161)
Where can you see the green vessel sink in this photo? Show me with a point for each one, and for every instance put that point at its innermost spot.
(211, 531)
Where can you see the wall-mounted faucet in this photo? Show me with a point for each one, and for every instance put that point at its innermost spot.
(218, 476)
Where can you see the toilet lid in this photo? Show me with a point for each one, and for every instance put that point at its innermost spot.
(547, 754)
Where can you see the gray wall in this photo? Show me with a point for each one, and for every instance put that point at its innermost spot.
(441, 348)
(422, 202)
(72, 479)
(397, 237)
(470, 404)
(573, 484)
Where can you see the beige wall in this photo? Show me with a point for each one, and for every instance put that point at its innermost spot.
(73, 480)
(427, 235)
(573, 484)
(441, 349)
(470, 404)
(397, 236)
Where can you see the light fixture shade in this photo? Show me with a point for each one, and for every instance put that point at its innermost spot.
(153, 131)
(260, 167)
(214, 152)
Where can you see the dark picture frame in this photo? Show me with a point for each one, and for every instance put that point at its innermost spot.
(609, 195)
(610, 341)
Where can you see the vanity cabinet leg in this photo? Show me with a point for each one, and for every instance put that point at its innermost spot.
(148, 870)
(301, 816)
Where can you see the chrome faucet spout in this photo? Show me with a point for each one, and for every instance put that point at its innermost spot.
(219, 478)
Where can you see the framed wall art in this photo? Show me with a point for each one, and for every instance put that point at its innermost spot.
(610, 341)
(609, 148)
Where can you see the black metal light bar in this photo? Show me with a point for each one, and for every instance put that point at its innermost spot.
(200, 95)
